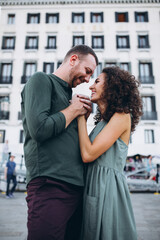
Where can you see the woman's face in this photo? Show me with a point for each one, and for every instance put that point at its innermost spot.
(97, 88)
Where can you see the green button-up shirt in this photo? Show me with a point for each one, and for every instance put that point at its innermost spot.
(50, 149)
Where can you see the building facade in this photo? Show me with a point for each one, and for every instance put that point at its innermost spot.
(35, 35)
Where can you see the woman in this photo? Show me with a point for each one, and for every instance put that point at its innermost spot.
(107, 211)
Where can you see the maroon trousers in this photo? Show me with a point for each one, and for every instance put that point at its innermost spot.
(54, 210)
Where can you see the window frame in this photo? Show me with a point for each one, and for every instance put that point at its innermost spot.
(8, 77)
(102, 41)
(26, 77)
(144, 77)
(146, 45)
(4, 42)
(126, 18)
(27, 46)
(4, 113)
(140, 14)
(30, 15)
(13, 17)
(78, 36)
(127, 41)
(75, 14)
(100, 14)
(51, 66)
(149, 137)
(48, 15)
(48, 42)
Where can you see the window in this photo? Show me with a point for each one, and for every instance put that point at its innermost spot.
(98, 42)
(121, 16)
(149, 136)
(59, 63)
(125, 66)
(110, 64)
(19, 115)
(149, 108)
(6, 73)
(123, 41)
(33, 18)
(145, 73)
(2, 136)
(31, 43)
(21, 138)
(96, 17)
(97, 71)
(51, 44)
(78, 40)
(8, 43)
(11, 18)
(48, 67)
(29, 70)
(4, 107)
(143, 41)
(78, 17)
(52, 17)
(141, 16)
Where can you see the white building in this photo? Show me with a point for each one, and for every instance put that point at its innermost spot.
(35, 35)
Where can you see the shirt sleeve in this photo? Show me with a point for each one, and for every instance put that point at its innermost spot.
(37, 103)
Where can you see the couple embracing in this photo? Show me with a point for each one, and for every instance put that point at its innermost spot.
(76, 189)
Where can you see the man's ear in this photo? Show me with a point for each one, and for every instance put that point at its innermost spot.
(73, 59)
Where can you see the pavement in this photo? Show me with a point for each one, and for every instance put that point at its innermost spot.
(13, 216)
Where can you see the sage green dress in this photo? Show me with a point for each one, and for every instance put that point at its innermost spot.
(107, 213)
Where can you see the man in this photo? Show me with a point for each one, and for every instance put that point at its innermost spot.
(52, 156)
(10, 174)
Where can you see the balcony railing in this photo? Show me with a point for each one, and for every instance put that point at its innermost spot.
(24, 78)
(146, 79)
(149, 116)
(4, 115)
(5, 79)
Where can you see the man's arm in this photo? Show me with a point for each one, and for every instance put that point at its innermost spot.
(37, 103)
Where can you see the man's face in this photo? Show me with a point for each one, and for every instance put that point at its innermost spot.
(82, 70)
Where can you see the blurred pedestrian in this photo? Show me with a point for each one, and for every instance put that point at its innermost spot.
(10, 175)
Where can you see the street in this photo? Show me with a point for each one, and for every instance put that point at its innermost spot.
(13, 216)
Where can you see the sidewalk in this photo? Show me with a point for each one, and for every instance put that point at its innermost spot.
(13, 216)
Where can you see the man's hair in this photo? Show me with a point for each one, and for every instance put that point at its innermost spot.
(81, 50)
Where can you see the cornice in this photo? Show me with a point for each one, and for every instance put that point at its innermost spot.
(62, 2)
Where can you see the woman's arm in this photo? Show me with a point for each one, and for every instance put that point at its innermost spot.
(117, 125)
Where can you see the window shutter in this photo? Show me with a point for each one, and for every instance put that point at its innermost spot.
(47, 17)
(57, 17)
(72, 17)
(135, 15)
(116, 17)
(91, 17)
(28, 17)
(146, 16)
(153, 104)
(126, 17)
(38, 17)
(117, 41)
(102, 16)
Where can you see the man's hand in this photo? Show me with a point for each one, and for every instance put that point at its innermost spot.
(87, 104)
(77, 104)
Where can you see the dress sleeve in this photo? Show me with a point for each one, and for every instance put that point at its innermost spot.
(36, 101)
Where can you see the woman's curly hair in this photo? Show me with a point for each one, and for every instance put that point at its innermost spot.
(120, 95)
